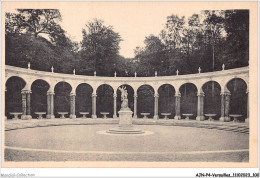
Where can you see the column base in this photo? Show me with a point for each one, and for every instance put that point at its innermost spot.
(73, 116)
(26, 117)
(135, 117)
(247, 120)
(177, 117)
(49, 116)
(200, 118)
(94, 116)
(156, 117)
(115, 117)
(224, 119)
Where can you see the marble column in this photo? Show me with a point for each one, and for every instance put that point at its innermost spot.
(156, 98)
(50, 105)
(94, 97)
(177, 106)
(247, 113)
(135, 106)
(72, 105)
(115, 115)
(23, 104)
(200, 109)
(225, 101)
(222, 117)
(227, 106)
(5, 105)
(28, 104)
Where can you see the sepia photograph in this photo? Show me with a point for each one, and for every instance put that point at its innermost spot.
(148, 84)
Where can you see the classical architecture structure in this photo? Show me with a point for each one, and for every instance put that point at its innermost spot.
(222, 77)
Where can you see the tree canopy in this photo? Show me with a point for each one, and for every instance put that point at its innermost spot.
(205, 40)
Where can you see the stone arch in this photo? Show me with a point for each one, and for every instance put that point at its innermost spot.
(189, 99)
(62, 97)
(142, 84)
(117, 85)
(83, 98)
(18, 77)
(212, 98)
(37, 79)
(232, 78)
(145, 101)
(105, 100)
(166, 102)
(13, 98)
(39, 90)
(189, 82)
(238, 97)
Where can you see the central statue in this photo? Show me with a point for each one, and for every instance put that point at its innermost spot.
(125, 117)
(124, 105)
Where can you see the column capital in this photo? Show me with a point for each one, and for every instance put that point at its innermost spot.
(26, 91)
(72, 94)
(135, 95)
(225, 93)
(50, 93)
(247, 91)
(177, 94)
(200, 94)
(156, 95)
(94, 94)
(114, 95)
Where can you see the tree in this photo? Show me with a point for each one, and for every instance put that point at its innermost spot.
(35, 21)
(172, 32)
(236, 25)
(26, 40)
(100, 47)
(213, 30)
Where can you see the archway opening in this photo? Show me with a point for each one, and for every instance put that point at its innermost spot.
(145, 101)
(166, 100)
(212, 99)
(238, 98)
(13, 96)
(105, 100)
(62, 98)
(83, 99)
(189, 99)
(39, 97)
(130, 97)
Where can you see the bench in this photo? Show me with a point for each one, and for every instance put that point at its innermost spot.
(210, 116)
(16, 114)
(40, 114)
(62, 114)
(187, 116)
(104, 114)
(235, 116)
(166, 115)
(145, 114)
(84, 114)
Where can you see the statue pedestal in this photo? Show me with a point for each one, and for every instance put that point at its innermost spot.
(125, 124)
(125, 118)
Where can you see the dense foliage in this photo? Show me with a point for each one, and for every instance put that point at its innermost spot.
(205, 40)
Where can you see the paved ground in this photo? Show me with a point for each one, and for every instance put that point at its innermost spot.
(81, 142)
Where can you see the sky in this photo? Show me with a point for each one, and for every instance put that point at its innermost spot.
(133, 21)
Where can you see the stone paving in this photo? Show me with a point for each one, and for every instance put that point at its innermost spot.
(78, 140)
(227, 126)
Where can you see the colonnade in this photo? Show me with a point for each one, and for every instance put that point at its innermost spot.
(221, 77)
(225, 106)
